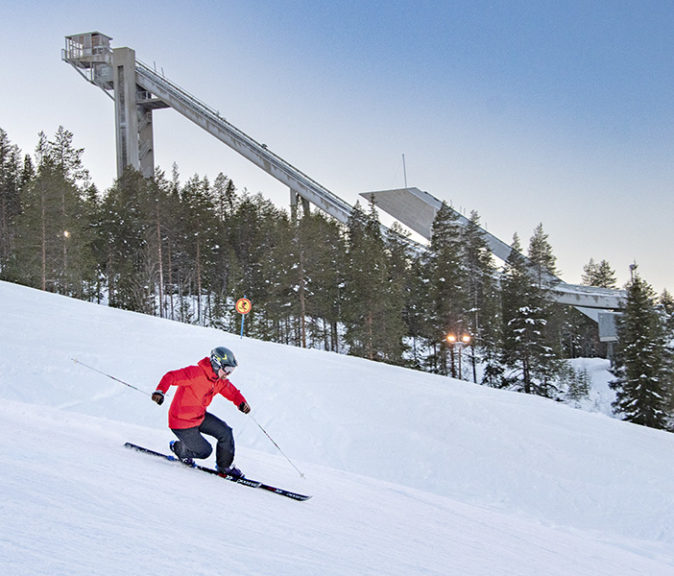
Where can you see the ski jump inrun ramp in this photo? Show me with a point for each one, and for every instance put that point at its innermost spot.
(138, 91)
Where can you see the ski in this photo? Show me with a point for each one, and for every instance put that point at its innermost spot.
(238, 479)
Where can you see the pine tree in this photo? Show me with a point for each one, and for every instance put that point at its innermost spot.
(416, 314)
(394, 328)
(199, 231)
(67, 159)
(599, 274)
(279, 272)
(165, 215)
(666, 305)
(226, 272)
(366, 286)
(54, 236)
(577, 384)
(10, 191)
(245, 235)
(260, 236)
(448, 288)
(639, 364)
(302, 254)
(542, 260)
(128, 228)
(328, 266)
(482, 316)
(319, 265)
(526, 312)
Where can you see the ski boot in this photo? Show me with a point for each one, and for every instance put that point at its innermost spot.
(186, 459)
(230, 471)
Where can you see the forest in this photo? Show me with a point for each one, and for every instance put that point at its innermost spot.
(188, 250)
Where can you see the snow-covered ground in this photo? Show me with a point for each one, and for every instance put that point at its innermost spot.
(410, 473)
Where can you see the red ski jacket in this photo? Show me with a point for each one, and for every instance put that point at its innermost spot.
(196, 387)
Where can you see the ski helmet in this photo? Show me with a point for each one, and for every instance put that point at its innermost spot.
(222, 357)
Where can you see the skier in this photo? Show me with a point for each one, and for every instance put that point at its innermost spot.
(188, 418)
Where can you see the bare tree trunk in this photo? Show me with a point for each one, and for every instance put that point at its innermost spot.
(198, 281)
(161, 268)
(170, 271)
(370, 336)
(44, 238)
(303, 312)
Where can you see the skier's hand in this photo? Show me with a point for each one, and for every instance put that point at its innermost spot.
(244, 407)
(158, 397)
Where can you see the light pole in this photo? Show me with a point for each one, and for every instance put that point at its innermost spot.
(66, 237)
(453, 341)
(465, 340)
(633, 267)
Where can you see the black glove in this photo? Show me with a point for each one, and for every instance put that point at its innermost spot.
(158, 397)
(244, 407)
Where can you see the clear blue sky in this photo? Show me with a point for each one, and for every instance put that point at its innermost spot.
(528, 112)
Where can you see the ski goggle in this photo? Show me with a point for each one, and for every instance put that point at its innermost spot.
(225, 368)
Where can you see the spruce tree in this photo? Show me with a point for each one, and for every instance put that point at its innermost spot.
(329, 267)
(482, 317)
(54, 236)
(416, 311)
(577, 383)
(67, 159)
(128, 228)
(225, 272)
(542, 260)
(394, 329)
(199, 242)
(666, 305)
(366, 284)
(599, 274)
(10, 191)
(641, 379)
(448, 288)
(319, 264)
(526, 310)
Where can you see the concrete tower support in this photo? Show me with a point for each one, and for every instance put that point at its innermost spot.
(295, 200)
(114, 71)
(133, 119)
(126, 119)
(145, 140)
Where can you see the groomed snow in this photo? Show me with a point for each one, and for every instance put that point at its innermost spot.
(410, 473)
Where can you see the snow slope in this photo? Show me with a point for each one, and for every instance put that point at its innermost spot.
(411, 473)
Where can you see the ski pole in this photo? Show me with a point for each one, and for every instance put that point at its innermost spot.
(277, 446)
(76, 361)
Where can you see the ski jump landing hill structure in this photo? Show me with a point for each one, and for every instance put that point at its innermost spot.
(137, 91)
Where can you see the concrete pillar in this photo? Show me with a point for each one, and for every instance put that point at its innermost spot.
(145, 141)
(294, 197)
(126, 117)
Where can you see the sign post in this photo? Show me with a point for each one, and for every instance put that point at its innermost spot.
(243, 306)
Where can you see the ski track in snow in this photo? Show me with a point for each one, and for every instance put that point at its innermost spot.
(410, 473)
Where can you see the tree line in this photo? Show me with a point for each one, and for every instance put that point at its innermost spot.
(188, 250)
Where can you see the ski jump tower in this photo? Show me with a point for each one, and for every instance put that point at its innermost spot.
(138, 91)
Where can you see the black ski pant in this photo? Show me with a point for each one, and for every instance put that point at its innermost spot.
(191, 443)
